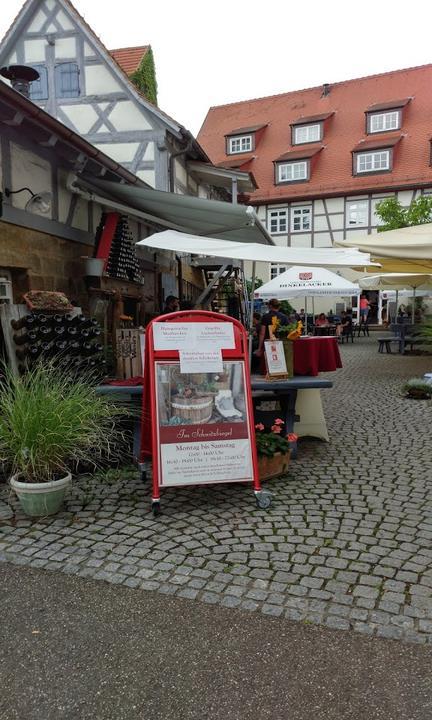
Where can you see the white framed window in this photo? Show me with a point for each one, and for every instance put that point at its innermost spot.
(357, 213)
(307, 134)
(381, 122)
(373, 161)
(239, 144)
(301, 219)
(290, 172)
(276, 270)
(278, 221)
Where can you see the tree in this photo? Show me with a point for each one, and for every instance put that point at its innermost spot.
(394, 215)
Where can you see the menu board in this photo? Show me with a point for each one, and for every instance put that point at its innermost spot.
(275, 358)
(202, 425)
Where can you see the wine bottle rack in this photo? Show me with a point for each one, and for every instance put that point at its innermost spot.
(114, 241)
(72, 340)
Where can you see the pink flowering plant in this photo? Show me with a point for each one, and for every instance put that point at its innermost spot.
(273, 439)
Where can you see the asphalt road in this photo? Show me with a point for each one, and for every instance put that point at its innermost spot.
(81, 649)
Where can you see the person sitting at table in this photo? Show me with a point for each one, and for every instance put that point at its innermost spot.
(345, 325)
(321, 320)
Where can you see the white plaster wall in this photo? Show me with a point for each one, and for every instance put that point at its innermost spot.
(148, 176)
(301, 240)
(88, 51)
(337, 221)
(64, 20)
(322, 240)
(335, 204)
(82, 117)
(34, 50)
(126, 116)
(121, 152)
(280, 240)
(180, 172)
(64, 196)
(261, 212)
(37, 22)
(28, 170)
(320, 223)
(149, 154)
(80, 218)
(405, 197)
(99, 80)
(65, 48)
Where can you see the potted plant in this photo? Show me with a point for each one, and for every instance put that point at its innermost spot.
(417, 388)
(50, 422)
(273, 449)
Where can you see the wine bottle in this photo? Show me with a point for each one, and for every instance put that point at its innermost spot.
(28, 337)
(94, 332)
(57, 319)
(28, 321)
(46, 331)
(42, 319)
(72, 331)
(31, 352)
(60, 345)
(59, 330)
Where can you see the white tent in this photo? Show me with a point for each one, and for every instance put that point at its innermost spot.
(306, 282)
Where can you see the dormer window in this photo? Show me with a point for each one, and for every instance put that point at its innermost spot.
(373, 156)
(307, 133)
(240, 144)
(295, 165)
(292, 171)
(244, 139)
(385, 117)
(372, 161)
(383, 122)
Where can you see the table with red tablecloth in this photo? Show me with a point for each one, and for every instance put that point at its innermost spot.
(313, 355)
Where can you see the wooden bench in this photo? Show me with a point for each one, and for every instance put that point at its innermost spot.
(385, 342)
(412, 340)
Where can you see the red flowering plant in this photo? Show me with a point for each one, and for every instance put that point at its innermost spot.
(273, 440)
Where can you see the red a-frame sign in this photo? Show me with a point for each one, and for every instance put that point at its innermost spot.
(197, 422)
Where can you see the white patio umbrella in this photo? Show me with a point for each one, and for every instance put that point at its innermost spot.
(398, 281)
(306, 282)
(405, 250)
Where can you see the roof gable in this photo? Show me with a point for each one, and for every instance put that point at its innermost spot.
(51, 16)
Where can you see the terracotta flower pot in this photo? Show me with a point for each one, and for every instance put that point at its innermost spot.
(273, 466)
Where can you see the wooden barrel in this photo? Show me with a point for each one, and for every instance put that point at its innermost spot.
(195, 410)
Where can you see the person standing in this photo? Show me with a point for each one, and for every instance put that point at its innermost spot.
(171, 304)
(364, 308)
(267, 321)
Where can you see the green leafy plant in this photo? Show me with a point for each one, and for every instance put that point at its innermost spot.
(270, 441)
(417, 388)
(144, 78)
(50, 422)
(394, 215)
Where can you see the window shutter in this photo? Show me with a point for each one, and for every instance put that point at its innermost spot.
(67, 80)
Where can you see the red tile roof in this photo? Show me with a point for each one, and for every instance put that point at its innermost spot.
(251, 128)
(389, 105)
(304, 120)
(372, 142)
(306, 151)
(129, 58)
(332, 172)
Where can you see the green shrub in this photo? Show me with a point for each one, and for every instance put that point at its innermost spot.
(50, 422)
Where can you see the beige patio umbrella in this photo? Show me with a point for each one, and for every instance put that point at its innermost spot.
(398, 281)
(406, 250)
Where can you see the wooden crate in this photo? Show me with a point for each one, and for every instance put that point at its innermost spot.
(128, 353)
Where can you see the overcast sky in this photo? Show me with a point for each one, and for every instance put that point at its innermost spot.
(212, 53)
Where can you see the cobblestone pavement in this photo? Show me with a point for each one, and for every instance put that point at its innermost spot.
(346, 544)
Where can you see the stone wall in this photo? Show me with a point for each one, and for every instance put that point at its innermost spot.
(38, 261)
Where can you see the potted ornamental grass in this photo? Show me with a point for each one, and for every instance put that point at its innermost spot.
(50, 422)
(273, 449)
(418, 389)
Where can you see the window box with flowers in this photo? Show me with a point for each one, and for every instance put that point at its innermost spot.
(273, 448)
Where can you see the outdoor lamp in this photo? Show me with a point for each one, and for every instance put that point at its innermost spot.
(39, 203)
